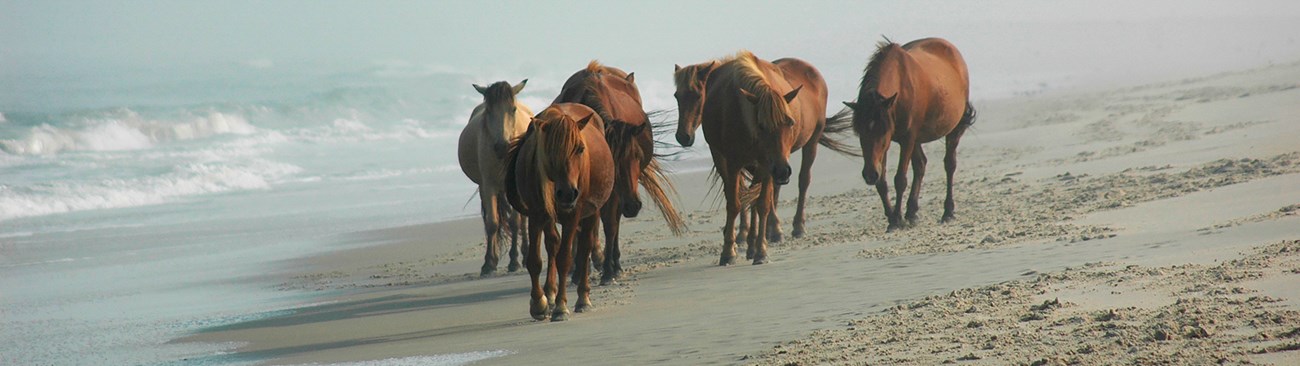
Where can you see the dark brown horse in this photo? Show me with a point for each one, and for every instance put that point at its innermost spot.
(613, 94)
(911, 94)
(749, 123)
(560, 172)
(811, 125)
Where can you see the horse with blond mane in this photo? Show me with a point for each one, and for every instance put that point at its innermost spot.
(811, 125)
(911, 94)
(613, 94)
(750, 126)
(482, 152)
(560, 172)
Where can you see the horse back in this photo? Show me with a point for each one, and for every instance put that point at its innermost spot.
(941, 86)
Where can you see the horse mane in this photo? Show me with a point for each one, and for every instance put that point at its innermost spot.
(871, 76)
(751, 78)
(539, 140)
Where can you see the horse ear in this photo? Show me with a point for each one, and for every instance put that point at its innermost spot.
(582, 123)
(677, 68)
(517, 88)
(851, 105)
(752, 98)
(631, 77)
(481, 89)
(793, 93)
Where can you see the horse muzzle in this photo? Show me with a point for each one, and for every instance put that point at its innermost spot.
(781, 173)
(685, 139)
(631, 208)
(566, 198)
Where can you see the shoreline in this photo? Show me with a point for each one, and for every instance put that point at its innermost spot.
(1115, 162)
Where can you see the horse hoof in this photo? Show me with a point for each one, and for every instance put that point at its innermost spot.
(797, 233)
(891, 228)
(513, 267)
(582, 308)
(774, 237)
(538, 308)
(560, 314)
(608, 281)
(760, 260)
(487, 271)
(727, 260)
(947, 218)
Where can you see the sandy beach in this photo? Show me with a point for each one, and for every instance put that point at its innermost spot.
(1152, 224)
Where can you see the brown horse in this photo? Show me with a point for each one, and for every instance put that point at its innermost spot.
(613, 94)
(482, 151)
(560, 172)
(811, 124)
(749, 123)
(911, 94)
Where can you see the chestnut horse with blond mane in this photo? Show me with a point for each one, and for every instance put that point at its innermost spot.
(482, 152)
(750, 126)
(613, 94)
(811, 123)
(911, 94)
(560, 172)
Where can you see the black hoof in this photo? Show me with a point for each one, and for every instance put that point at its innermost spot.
(774, 237)
(513, 267)
(487, 271)
(727, 260)
(582, 308)
(892, 228)
(760, 260)
(797, 233)
(947, 218)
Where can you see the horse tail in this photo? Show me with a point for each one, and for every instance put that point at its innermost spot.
(658, 186)
(838, 125)
(662, 126)
(968, 117)
(748, 193)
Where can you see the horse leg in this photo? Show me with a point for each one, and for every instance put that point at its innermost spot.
(805, 179)
(742, 233)
(900, 183)
(950, 167)
(492, 229)
(513, 226)
(552, 262)
(730, 188)
(750, 212)
(611, 269)
(774, 233)
(564, 259)
(918, 175)
(538, 304)
(765, 206)
(587, 237)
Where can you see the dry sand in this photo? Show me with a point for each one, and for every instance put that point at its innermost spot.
(1152, 224)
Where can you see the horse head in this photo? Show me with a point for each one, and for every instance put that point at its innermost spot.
(690, 81)
(634, 155)
(561, 156)
(501, 125)
(770, 112)
(873, 120)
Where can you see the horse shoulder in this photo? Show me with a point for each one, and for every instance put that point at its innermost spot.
(600, 165)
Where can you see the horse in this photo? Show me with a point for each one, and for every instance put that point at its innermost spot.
(482, 152)
(613, 94)
(811, 123)
(911, 94)
(749, 122)
(560, 172)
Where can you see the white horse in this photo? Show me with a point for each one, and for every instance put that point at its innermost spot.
(496, 122)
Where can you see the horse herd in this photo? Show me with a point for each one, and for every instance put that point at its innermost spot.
(579, 162)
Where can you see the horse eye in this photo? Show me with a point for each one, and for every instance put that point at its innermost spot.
(579, 150)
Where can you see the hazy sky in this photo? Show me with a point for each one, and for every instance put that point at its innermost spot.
(516, 39)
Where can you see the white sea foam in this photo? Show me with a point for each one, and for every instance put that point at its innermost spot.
(452, 359)
(185, 180)
(125, 130)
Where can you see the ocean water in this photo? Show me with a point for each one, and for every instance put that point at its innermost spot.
(141, 202)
